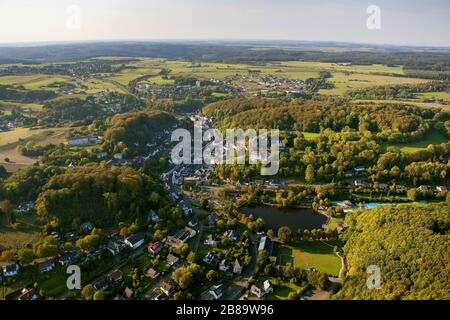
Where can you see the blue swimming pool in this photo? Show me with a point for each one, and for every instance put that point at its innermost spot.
(374, 205)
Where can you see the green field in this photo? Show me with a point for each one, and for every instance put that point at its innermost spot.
(434, 137)
(307, 254)
(434, 96)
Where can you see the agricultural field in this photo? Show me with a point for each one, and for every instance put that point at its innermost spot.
(11, 139)
(34, 81)
(344, 81)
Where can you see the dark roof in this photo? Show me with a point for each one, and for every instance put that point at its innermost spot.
(135, 238)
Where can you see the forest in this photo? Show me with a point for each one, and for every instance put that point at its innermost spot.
(410, 246)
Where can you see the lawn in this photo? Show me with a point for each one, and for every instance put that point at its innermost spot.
(54, 283)
(434, 137)
(316, 255)
(311, 135)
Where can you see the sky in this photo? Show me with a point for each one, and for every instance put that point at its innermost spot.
(411, 22)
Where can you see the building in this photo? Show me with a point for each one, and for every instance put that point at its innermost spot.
(441, 189)
(100, 284)
(115, 276)
(115, 247)
(209, 258)
(266, 244)
(171, 259)
(28, 294)
(230, 234)
(87, 226)
(152, 273)
(423, 188)
(237, 267)
(216, 291)
(210, 241)
(167, 288)
(82, 141)
(257, 291)
(154, 247)
(10, 269)
(135, 241)
(47, 266)
(152, 216)
(223, 266)
(69, 258)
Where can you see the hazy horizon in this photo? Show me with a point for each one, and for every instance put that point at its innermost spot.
(403, 23)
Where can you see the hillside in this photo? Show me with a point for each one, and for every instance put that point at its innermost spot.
(410, 244)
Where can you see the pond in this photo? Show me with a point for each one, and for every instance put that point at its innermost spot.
(295, 219)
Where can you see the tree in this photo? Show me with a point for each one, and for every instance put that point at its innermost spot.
(88, 292)
(6, 209)
(310, 173)
(413, 194)
(99, 295)
(26, 256)
(212, 276)
(292, 296)
(285, 234)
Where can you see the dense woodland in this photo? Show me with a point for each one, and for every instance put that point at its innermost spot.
(408, 243)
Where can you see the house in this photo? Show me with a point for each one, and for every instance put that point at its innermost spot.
(237, 267)
(423, 188)
(400, 188)
(26, 207)
(100, 284)
(360, 169)
(223, 266)
(152, 216)
(441, 189)
(209, 241)
(28, 294)
(151, 273)
(192, 223)
(180, 236)
(87, 226)
(383, 186)
(266, 244)
(185, 207)
(101, 155)
(128, 293)
(135, 241)
(348, 174)
(360, 183)
(118, 156)
(70, 258)
(171, 259)
(115, 276)
(47, 266)
(154, 247)
(209, 258)
(268, 287)
(167, 288)
(212, 220)
(216, 291)
(115, 247)
(257, 291)
(72, 236)
(230, 234)
(10, 269)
